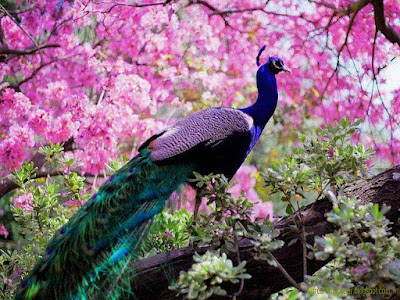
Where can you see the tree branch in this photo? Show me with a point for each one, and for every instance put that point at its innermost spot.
(25, 51)
(381, 24)
(34, 73)
(7, 53)
(155, 274)
(351, 8)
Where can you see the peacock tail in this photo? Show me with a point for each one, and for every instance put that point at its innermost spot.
(105, 233)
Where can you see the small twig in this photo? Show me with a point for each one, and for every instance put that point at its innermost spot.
(27, 50)
(21, 11)
(34, 73)
(131, 5)
(358, 236)
(318, 197)
(335, 71)
(304, 235)
(238, 262)
(287, 275)
(232, 11)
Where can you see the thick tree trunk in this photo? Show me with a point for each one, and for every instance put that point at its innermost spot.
(155, 274)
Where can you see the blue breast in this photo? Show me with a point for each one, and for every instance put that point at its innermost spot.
(255, 132)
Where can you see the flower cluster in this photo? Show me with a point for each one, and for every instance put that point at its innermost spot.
(103, 68)
(24, 202)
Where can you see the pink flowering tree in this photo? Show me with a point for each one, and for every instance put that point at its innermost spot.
(100, 77)
(99, 73)
(104, 76)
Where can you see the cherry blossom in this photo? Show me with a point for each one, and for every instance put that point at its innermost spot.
(107, 75)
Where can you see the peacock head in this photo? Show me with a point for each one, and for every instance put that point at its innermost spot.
(274, 64)
(266, 73)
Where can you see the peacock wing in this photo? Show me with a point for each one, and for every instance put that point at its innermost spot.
(207, 128)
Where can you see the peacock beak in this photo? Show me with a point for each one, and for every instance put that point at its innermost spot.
(286, 69)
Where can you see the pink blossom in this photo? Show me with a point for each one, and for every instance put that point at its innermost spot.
(25, 202)
(12, 154)
(186, 199)
(245, 180)
(3, 231)
(263, 210)
(14, 149)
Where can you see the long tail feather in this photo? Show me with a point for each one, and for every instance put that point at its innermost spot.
(98, 242)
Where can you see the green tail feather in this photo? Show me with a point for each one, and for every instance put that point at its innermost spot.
(97, 243)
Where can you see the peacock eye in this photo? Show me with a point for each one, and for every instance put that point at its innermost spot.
(277, 64)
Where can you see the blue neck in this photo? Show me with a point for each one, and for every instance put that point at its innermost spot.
(262, 110)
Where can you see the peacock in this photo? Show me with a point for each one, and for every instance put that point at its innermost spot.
(98, 242)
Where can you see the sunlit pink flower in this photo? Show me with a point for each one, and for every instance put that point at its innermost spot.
(25, 202)
(245, 180)
(263, 210)
(3, 231)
